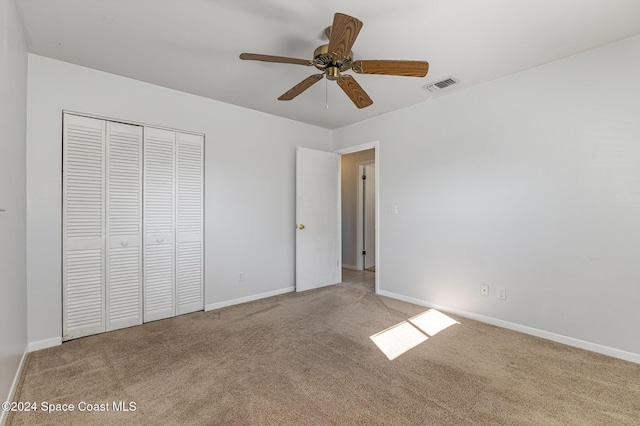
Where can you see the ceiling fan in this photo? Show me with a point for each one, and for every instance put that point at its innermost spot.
(336, 57)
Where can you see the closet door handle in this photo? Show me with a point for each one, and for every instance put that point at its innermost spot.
(159, 240)
(124, 243)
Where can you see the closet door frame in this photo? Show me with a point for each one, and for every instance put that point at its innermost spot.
(143, 238)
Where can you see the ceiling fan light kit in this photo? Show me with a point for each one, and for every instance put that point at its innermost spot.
(336, 57)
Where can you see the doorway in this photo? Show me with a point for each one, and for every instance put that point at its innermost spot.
(359, 189)
(319, 180)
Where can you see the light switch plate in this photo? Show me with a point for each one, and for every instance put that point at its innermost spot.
(502, 293)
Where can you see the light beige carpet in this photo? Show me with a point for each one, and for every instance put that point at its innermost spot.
(308, 359)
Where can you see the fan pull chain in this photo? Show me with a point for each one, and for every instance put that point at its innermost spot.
(326, 93)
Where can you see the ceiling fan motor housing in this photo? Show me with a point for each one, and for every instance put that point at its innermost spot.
(322, 59)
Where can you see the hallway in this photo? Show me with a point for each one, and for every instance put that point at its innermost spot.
(361, 280)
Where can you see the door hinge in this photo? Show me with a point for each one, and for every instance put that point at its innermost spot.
(364, 252)
(364, 177)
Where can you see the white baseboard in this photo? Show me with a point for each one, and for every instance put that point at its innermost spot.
(570, 341)
(251, 298)
(44, 344)
(345, 266)
(14, 386)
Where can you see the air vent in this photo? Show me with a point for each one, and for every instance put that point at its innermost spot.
(439, 85)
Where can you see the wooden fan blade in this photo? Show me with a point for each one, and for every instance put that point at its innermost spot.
(301, 87)
(344, 31)
(354, 91)
(278, 59)
(402, 68)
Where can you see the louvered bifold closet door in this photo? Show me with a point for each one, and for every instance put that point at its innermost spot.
(189, 208)
(83, 226)
(123, 225)
(159, 224)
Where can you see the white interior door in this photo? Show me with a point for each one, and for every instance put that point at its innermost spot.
(369, 231)
(317, 219)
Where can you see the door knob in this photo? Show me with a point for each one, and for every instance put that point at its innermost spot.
(301, 226)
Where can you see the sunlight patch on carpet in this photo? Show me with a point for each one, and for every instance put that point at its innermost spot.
(398, 339)
(432, 322)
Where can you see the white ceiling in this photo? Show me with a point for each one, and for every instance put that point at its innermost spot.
(193, 45)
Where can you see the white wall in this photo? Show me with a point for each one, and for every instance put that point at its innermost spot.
(249, 182)
(530, 182)
(13, 195)
(349, 189)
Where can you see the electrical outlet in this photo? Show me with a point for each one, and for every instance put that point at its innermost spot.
(484, 290)
(240, 277)
(502, 293)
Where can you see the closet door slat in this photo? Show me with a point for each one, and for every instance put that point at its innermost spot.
(83, 227)
(159, 224)
(189, 262)
(123, 225)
